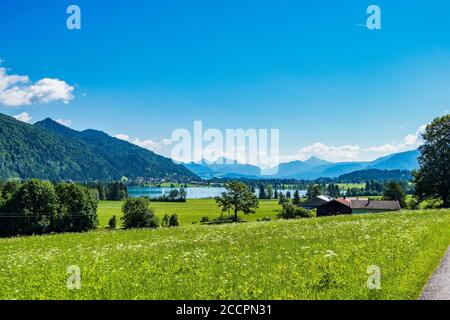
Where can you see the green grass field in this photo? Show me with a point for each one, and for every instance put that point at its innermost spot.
(191, 211)
(345, 186)
(318, 258)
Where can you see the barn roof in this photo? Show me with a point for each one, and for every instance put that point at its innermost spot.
(325, 198)
(344, 201)
(375, 204)
(315, 202)
(339, 201)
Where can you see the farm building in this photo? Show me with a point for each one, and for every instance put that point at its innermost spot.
(343, 206)
(334, 207)
(368, 206)
(315, 202)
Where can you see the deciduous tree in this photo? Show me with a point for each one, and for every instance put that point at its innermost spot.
(238, 197)
(432, 180)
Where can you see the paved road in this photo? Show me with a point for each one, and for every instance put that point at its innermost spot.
(438, 288)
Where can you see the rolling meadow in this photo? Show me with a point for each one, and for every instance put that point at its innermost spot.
(189, 212)
(318, 258)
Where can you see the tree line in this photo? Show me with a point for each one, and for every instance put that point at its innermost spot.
(39, 207)
(175, 195)
(116, 190)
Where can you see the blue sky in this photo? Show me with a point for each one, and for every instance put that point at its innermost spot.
(334, 88)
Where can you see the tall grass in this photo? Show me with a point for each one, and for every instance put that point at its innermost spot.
(323, 258)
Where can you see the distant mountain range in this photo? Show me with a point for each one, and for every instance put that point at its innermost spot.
(49, 150)
(312, 168)
(223, 167)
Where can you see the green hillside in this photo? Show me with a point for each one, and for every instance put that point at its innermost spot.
(375, 174)
(127, 158)
(48, 150)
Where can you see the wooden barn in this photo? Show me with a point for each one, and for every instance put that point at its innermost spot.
(334, 207)
(343, 206)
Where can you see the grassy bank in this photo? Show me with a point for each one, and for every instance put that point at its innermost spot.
(324, 258)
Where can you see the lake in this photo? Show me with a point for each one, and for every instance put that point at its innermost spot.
(192, 192)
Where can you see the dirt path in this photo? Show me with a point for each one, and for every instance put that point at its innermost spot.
(438, 287)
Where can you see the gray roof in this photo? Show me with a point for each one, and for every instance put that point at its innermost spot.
(315, 202)
(325, 198)
(375, 204)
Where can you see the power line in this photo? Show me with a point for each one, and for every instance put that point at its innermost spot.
(27, 215)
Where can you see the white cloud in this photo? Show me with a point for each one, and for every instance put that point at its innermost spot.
(147, 144)
(411, 141)
(339, 153)
(346, 153)
(342, 153)
(122, 137)
(384, 148)
(64, 122)
(416, 139)
(17, 90)
(24, 117)
(326, 152)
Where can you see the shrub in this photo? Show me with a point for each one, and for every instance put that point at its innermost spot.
(266, 219)
(173, 194)
(137, 214)
(412, 203)
(225, 219)
(173, 221)
(165, 221)
(282, 199)
(291, 211)
(204, 219)
(431, 204)
(112, 222)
